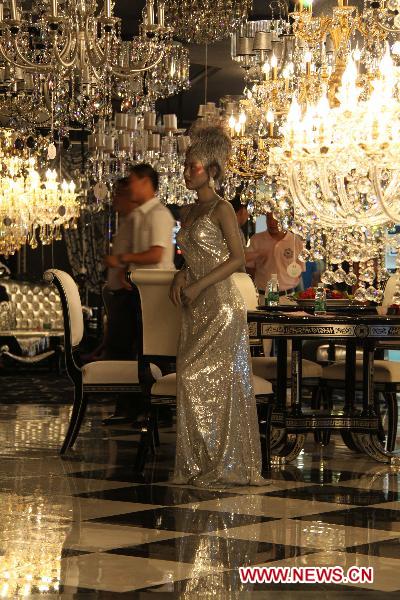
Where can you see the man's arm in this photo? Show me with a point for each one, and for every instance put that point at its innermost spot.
(152, 256)
(251, 254)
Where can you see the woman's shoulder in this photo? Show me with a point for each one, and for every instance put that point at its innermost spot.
(223, 208)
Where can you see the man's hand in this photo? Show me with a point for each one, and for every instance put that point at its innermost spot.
(112, 261)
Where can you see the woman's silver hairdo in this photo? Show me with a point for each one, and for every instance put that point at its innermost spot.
(211, 146)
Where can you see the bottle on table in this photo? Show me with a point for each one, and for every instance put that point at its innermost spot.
(320, 300)
(272, 291)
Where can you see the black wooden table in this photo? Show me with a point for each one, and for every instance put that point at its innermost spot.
(292, 423)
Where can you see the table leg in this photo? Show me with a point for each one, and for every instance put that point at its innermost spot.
(368, 379)
(350, 391)
(281, 351)
(296, 377)
(288, 446)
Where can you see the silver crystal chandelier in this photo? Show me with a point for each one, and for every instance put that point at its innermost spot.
(77, 36)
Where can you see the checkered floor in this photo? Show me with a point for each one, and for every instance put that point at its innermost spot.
(85, 527)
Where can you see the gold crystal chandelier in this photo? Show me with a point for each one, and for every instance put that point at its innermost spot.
(338, 171)
(32, 207)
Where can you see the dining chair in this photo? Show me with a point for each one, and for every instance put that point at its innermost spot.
(386, 381)
(101, 377)
(266, 366)
(159, 325)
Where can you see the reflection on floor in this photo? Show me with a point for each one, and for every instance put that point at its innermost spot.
(82, 527)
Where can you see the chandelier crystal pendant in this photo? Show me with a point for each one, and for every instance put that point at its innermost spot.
(207, 21)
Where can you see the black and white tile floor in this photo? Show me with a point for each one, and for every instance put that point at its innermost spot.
(83, 527)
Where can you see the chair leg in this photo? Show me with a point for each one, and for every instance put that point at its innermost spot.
(146, 443)
(393, 416)
(156, 431)
(78, 412)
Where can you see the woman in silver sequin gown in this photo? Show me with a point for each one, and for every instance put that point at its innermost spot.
(218, 443)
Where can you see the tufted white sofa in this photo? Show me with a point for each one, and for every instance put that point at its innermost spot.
(33, 316)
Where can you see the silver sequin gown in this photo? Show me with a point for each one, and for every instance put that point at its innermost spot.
(218, 441)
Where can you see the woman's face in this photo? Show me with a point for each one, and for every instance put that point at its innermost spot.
(195, 174)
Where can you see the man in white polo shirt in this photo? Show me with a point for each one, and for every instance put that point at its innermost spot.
(275, 251)
(151, 241)
(152, 223)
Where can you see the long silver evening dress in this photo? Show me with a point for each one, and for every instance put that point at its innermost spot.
(218, 443)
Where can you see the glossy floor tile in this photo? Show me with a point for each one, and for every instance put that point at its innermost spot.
(85, 526)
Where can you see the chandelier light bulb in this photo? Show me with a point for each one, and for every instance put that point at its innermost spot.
(238, 127)
(232, 122)
(357, 54)
(308, 56)
(270, 116)
(396, 48)
(266, 67)
(242, 118)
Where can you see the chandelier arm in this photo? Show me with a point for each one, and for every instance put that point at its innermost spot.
(297, 195)
(343, 197)
(67, 46)
(11, 61)
(59, 56)
(27, 64)
(395, 217)
(132, 71)
(392, 189)
(96, 54)
(324, 184)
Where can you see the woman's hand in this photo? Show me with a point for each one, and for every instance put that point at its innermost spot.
(190, 294)
(177, 285)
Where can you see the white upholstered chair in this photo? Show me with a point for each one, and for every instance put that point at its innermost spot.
(160, 326)
(100, 377)
(386, 385)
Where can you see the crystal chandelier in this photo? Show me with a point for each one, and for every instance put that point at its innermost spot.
(68, 56)
(133, 138)
(32, 207)
(205, 22)
(339, 166)
(72, 35)
(169, 77)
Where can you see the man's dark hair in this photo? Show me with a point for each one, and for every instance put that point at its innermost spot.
(237, 204)
(145, 170)
(121, 184)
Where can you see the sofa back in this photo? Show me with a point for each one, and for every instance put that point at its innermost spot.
(33, 306)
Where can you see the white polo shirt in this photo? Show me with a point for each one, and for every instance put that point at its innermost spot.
(122, 244)
(153, 225)
(280, 254)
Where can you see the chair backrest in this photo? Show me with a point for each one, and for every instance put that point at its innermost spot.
(160, 318)
(390, 289)
(71, 305)
(246, 287)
